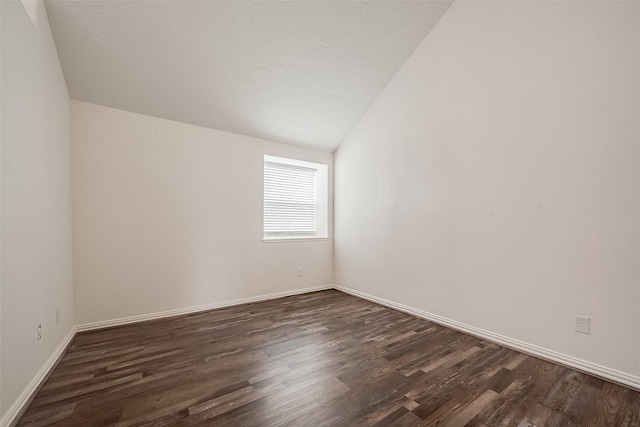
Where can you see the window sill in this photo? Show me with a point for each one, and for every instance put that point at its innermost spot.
(295, 239)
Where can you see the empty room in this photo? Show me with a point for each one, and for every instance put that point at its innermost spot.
(320, 213)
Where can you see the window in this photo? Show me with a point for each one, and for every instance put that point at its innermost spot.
(295, 199)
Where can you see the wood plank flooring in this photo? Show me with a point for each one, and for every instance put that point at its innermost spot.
(318, 359)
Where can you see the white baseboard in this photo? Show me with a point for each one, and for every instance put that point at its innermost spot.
(190, 310)
(543, 353)
(20, 403)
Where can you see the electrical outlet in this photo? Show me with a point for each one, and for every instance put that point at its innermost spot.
(39, 332)
(581, 324)
(299, 272)
(57, 315)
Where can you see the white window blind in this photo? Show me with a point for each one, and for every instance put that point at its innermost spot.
(289, 200)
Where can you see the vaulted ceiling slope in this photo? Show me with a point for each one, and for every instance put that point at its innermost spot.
(296, 72)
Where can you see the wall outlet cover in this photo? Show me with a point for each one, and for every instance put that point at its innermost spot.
(581, 324)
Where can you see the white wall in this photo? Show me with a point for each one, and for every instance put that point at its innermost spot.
(36, 198)
(169, 215)
(496, 180)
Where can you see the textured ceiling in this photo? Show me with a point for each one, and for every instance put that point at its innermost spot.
(296, 72)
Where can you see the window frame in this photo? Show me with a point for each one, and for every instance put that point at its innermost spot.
(322, 200)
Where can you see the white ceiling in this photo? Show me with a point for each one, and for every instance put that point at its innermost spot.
(296, 72)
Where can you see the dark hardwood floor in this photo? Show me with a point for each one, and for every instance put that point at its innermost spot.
(319, 359)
